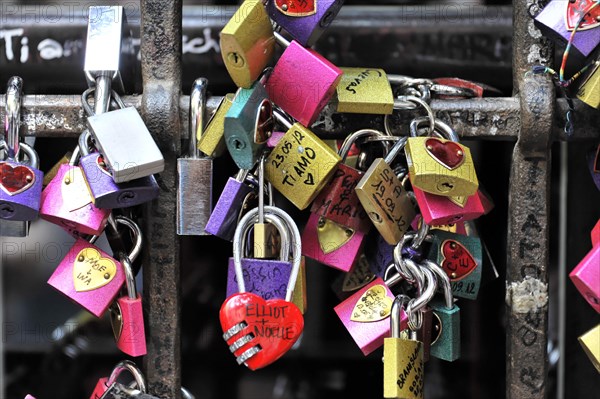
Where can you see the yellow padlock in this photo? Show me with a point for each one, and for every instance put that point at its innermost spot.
(247, 43)
(365, 91)
(212, 141)
(589, 91)
(590, 341)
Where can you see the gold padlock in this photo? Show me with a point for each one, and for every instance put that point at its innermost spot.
(590, 341)
(301, 164)
(299, 297)
(365, 91)
(589, 91)
(48, 176)
(439, 166)
(212, 141)
(247, 43)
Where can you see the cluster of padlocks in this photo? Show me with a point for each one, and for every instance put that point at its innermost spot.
(577, 23)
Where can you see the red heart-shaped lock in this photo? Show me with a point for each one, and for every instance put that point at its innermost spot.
(447, 153)
(15, 179)
(297, 8)
(274, 325)
(576, 9)
(458, 261)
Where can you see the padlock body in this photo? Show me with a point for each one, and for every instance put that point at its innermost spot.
(386, 201)
(224, 217)
(586, 277)
(211, 140)
(128, 148)
(590, 343)
(441, 167)
(338, 200)
(305, 27)
(440, 210)
(301, 165)
(403, 369)
(20, 191)
(50, 174)
(302, 91)
(247, 43)
(100, 388)
(89, 277)
(589, 91)
(593, 160)
(365, 91)
(66, 201)
(107, 194)
(241, 124)
(365, 314)
(332, 245)
(359, 276)
(445, 343)
(194, 195)
(132, 337)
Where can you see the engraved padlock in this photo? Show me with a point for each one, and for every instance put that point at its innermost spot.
(211, 140)
(365, 91)
(590, 342)
(586, 277)
(301, 164)
(306, 21)
(589, 90)
(248, 125)
(89, 276)
(109, 383)
(67, 202)
(247, 43)
(441, 210)
(260, 331)
(302, 98)
(194, 189)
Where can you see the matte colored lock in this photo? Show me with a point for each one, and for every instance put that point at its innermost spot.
(301, 164)
(403, 359)
(586, 277)
(589, 91)
(247, 43)
(365, 91)
(306, 21)
(211, 141)
(302, 82)
(461, 258)
(384, 198)
(248, 125)
(107, 194)
(440, 166)
(558, 19)
(440, 210)
(108, 384)
(590, 342)
(194, 190)
(593, 158)
(260, 331)
(227, 211)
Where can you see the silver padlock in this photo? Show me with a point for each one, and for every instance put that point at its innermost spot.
(194, 192)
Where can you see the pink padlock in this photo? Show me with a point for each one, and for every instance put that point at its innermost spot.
(29, 397)
(100, 388)
(66, 201)
(596, 234)
(302, 82)
(439, 210)
(586, 277)
(106, 383)
(330, 243)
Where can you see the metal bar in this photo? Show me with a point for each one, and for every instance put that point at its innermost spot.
(528, 224)
(160, 104)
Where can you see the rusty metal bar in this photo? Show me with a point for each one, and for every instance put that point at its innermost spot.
(160, 103)
(528, 224)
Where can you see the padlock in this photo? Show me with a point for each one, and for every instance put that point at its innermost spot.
(304, 91)
(595, 235)
(127, 317)
(306, 21)
(365, 91)
(403, 362)
(440, 210)
(194, 189)
(248, 125)
(359, 276)
(384, 198)
(593, 158)
(301, 164)
(67, 202)
(586, 277)
(211, 140)
(461, 258)
(107, 384)
(51, 173)
(445, 342)
(116, 133)
(260, 331)
(590, 342)
(268, 278)
(29, 397)
(558, 19)
(247, 43)
(589, 90)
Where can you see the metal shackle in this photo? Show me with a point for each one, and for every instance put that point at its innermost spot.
(12, 117)
(197, 120)
(137, 237)
(128, 365)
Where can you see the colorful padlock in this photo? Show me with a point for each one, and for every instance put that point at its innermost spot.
(440, 210)
(586, 277)
(106, 383)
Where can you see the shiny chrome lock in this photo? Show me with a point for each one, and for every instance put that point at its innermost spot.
(306, 21)
(365, 91)
(247, 43)
(194, 191)
(302, 98)
(211, 140)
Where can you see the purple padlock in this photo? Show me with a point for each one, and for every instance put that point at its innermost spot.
(107, 194)
(593, 158)
(306, 21)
